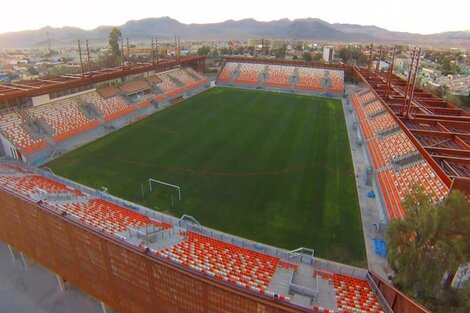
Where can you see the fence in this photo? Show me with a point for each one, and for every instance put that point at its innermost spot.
(397, 301)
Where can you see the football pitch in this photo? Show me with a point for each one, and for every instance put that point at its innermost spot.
(270, 167)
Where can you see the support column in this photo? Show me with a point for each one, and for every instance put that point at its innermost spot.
(104, 309)
(60, 283)
(12, 253)
(23, 260)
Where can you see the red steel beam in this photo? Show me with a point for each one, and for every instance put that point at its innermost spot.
(444, 118)
(409, 100)
(377, 67)
(458, 160)
(439, 171)
(104, 75)
(446, 151)
(443, 122)
(390, 73)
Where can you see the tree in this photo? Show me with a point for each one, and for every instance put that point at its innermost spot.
(449, 66)
(239, 51)
(442, 91)
(431, 240)
(308, 56)
(32, 70)
(280, 53)
(107, 60)
(317, 56)
(204, 50)
(114, 36)
(214, 54)
(352, 55)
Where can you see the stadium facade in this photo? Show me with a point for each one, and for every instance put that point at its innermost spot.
(138, 260)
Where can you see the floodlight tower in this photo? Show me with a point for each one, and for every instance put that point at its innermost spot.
(128, 58)
(81, 59)
(156, 47)
(377, 67)
(122, 51)
(176, 57)
(370, 57)
(390, 73)
(411, 83)
(88, 57)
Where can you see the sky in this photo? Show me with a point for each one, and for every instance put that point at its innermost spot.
(417, 16)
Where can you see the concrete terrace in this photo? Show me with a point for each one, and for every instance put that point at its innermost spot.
(284, 275)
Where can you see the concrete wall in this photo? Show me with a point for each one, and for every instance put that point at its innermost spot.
(122, 276)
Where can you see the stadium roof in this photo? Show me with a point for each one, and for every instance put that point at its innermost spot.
(439, 129)
(46, 85)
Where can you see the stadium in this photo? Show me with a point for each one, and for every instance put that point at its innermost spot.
(153, 187)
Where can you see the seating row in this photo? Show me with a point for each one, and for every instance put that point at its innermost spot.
(421, 174)
(112, 108)
(30, 184)
(107, 216)
(234, 264)
(352, 294)
(11, 126)
(383, 149)
(308, 78)
(65, 117)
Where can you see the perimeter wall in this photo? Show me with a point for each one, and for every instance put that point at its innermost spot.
(123, 277)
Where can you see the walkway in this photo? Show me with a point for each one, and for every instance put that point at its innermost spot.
(370, 209)
(35, 289)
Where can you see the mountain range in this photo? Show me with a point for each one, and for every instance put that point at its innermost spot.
(166, 27)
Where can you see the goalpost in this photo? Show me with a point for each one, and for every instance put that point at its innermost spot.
(151, 180)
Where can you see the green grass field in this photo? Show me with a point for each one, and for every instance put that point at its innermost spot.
(271, 167)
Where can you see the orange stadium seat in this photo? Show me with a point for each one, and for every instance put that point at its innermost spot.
(234, 264)
(108, 217)
(30, 184)
(394, 184)
(11, 127)
(112, 108)
(352, 294)
(278, 76)
(64, 117)
(226, 72)
(249, 73)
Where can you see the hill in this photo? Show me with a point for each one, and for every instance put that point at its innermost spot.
(166, 27)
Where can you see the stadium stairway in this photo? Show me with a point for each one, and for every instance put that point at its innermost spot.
(155, 89)
(325, 83)
(192, 74)
(235, 73)
(263, 76)
(91, 111)
(378, 113)
(24, 114)
(37, 128)
(406, 160)
(390, 131)
(177, 82)
(294, 79)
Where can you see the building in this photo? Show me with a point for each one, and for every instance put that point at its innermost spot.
(328, 54)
